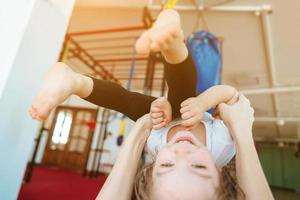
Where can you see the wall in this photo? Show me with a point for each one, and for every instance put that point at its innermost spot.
(281, 166)
(10, 34)
(33, 35)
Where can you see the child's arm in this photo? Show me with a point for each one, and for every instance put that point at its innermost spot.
(193, 108)
(120, 181)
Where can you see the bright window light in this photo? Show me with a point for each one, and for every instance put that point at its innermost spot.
(62, 128)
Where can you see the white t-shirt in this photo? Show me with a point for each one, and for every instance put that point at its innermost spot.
(218, 139)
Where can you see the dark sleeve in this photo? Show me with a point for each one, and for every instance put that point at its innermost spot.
(113, 96)
(181, 80)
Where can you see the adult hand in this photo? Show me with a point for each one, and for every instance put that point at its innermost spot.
(238, 117)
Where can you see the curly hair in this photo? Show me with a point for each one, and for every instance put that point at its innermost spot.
(229, 189)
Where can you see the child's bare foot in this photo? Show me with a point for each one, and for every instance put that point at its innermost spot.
(166, 36)
(59, 84)
(161, 112)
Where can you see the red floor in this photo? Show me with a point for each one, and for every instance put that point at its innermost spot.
(48, 183)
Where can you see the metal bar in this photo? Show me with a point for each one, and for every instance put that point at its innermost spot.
(36, 148)
(289, 140)
(98, 145)
(116, 74)
(104, 73)
(138, 70)
(105, 123)
(112, 30)
(107, 39)
(277, 119)
(122, 66)
(109, 47)
(273, 90)
(148, 84)
(267, 38)
(298, 130)
(112, 54)
(120, 60)
(142, 72)
(139, 78)
(90, 145)
(246, 9)
(78, 56)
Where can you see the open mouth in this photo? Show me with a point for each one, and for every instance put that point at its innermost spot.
(184, 139)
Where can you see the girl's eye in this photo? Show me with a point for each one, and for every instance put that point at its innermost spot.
(167, 165)
(198, 166)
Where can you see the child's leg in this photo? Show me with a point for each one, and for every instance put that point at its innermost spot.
(182, 80)
(61, 82)
(113, 96)
(167, 37)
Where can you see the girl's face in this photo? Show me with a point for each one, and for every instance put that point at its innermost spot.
(185, 170)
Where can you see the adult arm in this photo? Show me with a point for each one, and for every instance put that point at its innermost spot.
(250, 176)
(120, 181)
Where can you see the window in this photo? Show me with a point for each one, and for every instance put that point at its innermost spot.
(62, 129)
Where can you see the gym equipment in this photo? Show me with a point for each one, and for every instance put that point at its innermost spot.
(32, 163)
(170, 4)
(122, 129)
(206, 52)
(96, 159)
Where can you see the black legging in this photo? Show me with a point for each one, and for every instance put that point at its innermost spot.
(181, 79)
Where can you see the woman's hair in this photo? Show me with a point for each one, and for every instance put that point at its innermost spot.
(229, 189)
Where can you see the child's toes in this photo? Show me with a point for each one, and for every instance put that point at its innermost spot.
(142, 45)
(155, 47)
(155, 109)
(173, 31)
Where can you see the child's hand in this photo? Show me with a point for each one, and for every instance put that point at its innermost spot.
(161, 112)
(191, 112)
